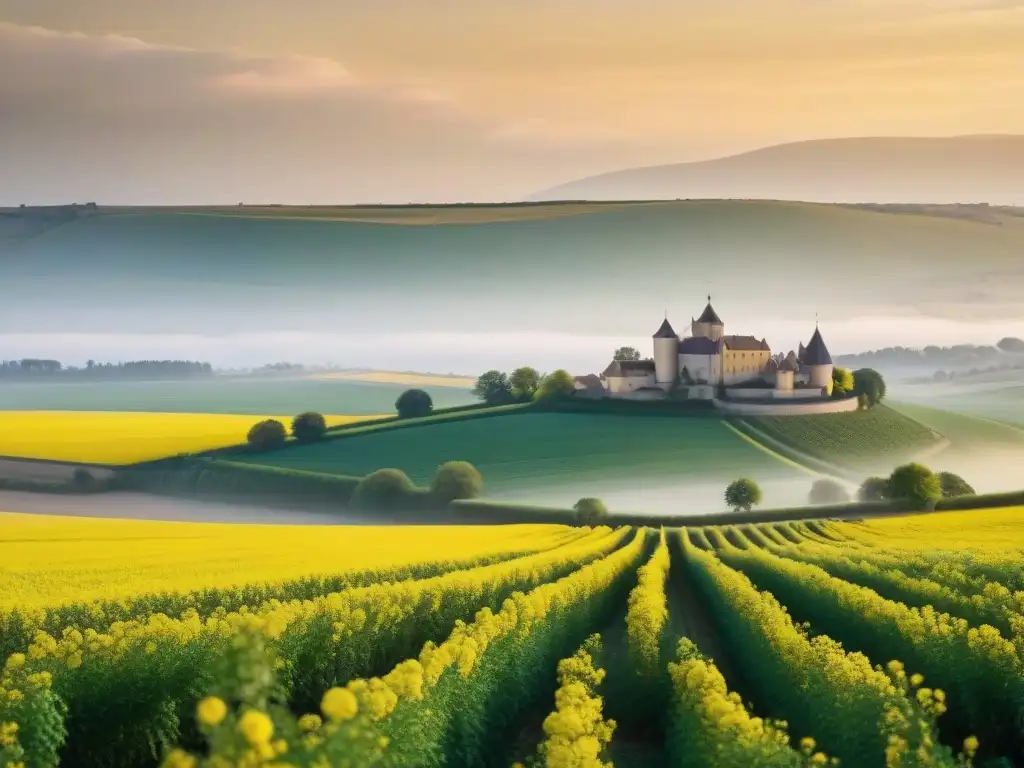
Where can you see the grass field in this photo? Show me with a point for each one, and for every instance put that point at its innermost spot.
(967, 432)
(403, 379)
(998, 396)
(124, 437)
(778, 645)
(221, 395)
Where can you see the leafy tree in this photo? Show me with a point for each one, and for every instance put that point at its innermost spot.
(874, 489)
(384, 489)
(954, 485)
(828, 491)
(869, 382)
(743, 494)
(590, 511)
(1011, 344)
(457, 480)
(556, 384)
(267, 435)
(493, 388)
(626, 353)
(413, 403)
(309, 427)
(842, 382)
(524, 382)
(916, 484)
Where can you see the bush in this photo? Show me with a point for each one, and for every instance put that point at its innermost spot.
(916, 484)
(309, 427)
(456, 480)
(828, 491)
(590, 511)
(385, 489)
(267, 435)
(743, 494)
(870, 384)
(954, 485)
(556, 384)
(873, 489)
(414, 404)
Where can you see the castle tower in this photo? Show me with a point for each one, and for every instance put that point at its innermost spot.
(666, 355)
(709, 325)
(818, 361)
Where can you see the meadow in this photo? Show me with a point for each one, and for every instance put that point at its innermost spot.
(892, 642)
(117, 438)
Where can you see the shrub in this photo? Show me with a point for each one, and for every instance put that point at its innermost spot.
(385, 489)
(828, 491)
(456, 480)
(267, 435)
(743, 494)
(309, 427)
(590, 511)
(556, 384)
(414, 404)
(954, 485)
(873, 489)
(916, 484)
(842, 382)
(869, 382)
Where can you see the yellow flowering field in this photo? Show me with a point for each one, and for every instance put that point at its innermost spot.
(784, 645)
(117, 437)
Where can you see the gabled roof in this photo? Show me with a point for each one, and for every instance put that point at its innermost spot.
(709, 315)
(698, 345)
(789, 364)
(628, 368)
(816, 353)
(746, 344)
(665, 331)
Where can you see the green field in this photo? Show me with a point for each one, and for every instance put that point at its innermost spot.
(532, 451)
(998, 396)
(218, 395)
(967, 433)
(872, 440)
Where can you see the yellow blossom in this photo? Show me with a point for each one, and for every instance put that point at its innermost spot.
(256, 727)
(211, 711)
(340, 704)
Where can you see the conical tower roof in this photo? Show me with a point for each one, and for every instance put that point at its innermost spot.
(665, 331)
(709, 315)
(816, 353)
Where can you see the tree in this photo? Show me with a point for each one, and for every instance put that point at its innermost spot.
(873, 489)
(590, 511)
(413, 404)
(1011, 344)
(493, 388)
(626, 353)
(524, 383)
(954, 485)
(915, 484)
(842, 382)
(384, 489)
(743, 494)
(456, 480)
(267, 435)
(556, 384)
(828, 491)
(869, 382)
(309, 427)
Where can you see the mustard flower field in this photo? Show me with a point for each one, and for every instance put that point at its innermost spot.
(891, 642)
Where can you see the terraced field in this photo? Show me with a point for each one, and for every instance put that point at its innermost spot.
(888, 643)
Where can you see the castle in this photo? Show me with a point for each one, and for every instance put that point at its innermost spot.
(709, 364)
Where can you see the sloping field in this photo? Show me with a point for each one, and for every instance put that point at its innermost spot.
(968, 433)
(125, 437)
(778, 645)
(547, 449)
(999, 397)
(875, 439)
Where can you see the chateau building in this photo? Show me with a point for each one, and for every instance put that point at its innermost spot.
(709, 363)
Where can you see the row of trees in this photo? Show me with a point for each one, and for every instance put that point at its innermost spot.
(135, 369)
(270, 434)
(522, 385)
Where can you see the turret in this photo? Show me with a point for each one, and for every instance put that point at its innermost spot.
(709, 325)
(818, 361)
(666, 355)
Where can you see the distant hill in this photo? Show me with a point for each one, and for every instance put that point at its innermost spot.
(962, 169)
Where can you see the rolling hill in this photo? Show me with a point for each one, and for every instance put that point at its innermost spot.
(874, 169)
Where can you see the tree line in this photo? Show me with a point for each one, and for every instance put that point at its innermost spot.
(524, 384)
(33, 368)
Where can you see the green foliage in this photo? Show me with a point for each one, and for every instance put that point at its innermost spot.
(953, 485)
(916, 484)
(626, 354)
(524, 382)
(555, 385)
(493, 387)
(842, 382)
(385, 489)
(590, 511)
(828, 491)
(869, 382)
(456, 480)
(743, 494)
(873, 489)
(267, 435)
(414, 404)
(309, 427)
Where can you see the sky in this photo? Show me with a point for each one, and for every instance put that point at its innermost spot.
(344, 101)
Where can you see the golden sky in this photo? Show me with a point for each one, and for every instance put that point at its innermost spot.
(557, 87)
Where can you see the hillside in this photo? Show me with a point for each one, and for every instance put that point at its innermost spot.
(448, 268)
(960, 169)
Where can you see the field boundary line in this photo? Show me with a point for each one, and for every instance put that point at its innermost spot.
(764, 448)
